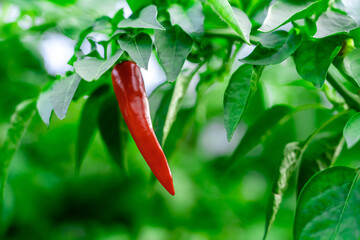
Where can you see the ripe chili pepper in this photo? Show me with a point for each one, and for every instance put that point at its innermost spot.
(130, 93)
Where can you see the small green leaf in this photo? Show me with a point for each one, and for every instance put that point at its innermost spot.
(330, 23)
(313, 58)
(62, 94)
(138, 47)
(236, 19)
(328, 206)
(92, 68)
(266, 56)
(172, 47)
(44, 107)
(282, 12)
(292, 153)
(190, 20)
(111, 131)
(88, 124)
(235, 98)
(145, 19)
(352, 131)
(19, 122)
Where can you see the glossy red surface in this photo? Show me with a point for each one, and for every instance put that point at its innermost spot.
(130, 92)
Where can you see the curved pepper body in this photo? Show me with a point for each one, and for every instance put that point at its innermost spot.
(130, 93)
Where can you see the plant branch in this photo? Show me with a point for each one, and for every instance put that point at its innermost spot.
(350, 98)
(340, 67)
(229, 34)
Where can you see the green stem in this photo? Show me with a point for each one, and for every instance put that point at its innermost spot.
(181, 86)
(325, 124)
(350, 98)
(339, 65)
(229, 34)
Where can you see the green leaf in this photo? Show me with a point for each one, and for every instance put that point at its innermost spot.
(264, 56)
(235, 98)
(236, 19)
(330, 23)
(282, 12)
(354, 64)
(274, 39)
(191, 20)
(328, 206)
(172, 47)
(292, 153)
(19, 122)
(62, 94)
(145, 19)
(88, 124)
(352, 131)
(92, 68)
(138, 47)
(111, 129)
(44, 107)
(313, 58)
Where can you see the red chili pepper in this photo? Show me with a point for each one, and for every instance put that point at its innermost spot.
(130, 93)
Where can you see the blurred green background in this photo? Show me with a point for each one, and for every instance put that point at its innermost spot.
(216, 198)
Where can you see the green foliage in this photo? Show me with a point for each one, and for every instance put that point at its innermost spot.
(292, 153)
(172, 47)
(88, 123)
(138, 47)
(62, 94)
(329, 200)
(112, 129)
(145, 19)
(313, 65)
(263, 55)
(239, 21)
(191, 20)
(282, 12)
(91, 69)
(235, 98)
(331, 23)
(19, 121)
(289, 110)
(354, 65)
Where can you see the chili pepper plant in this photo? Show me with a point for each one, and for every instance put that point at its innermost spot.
(253, 105)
